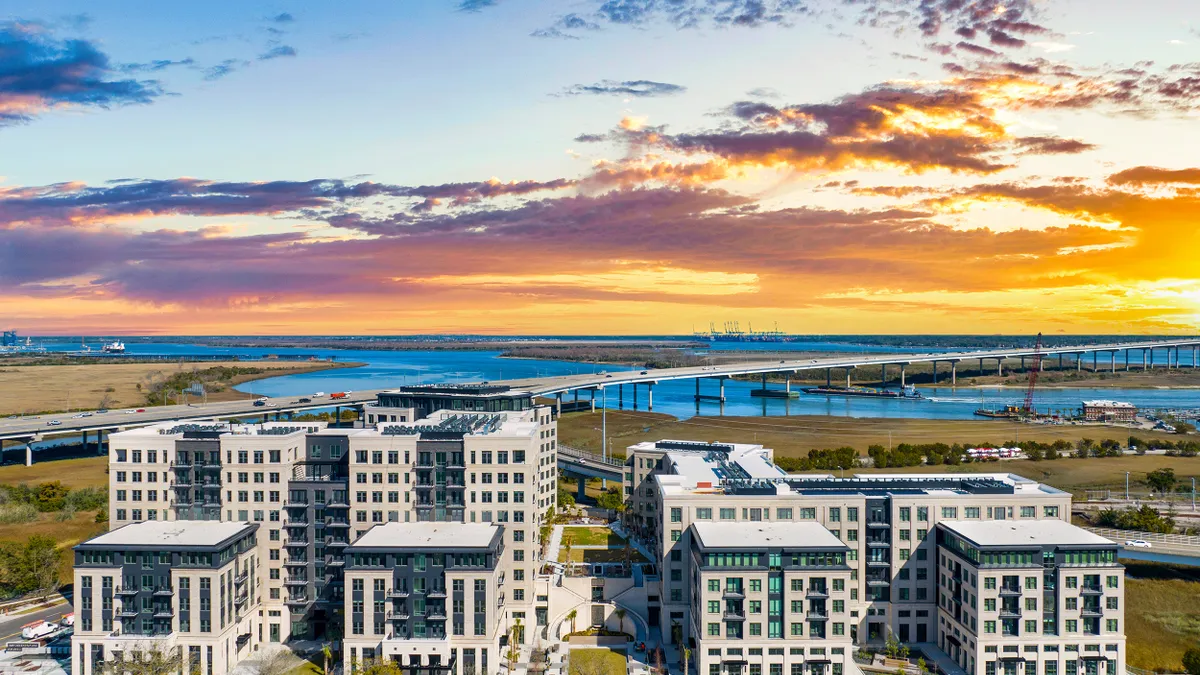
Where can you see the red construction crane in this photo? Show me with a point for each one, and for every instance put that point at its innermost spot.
(1033, 376)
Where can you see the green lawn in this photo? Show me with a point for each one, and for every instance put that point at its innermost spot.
(592, 536)
(597, 662)
(603, 555)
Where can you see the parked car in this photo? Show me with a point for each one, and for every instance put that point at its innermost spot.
(1137, 543)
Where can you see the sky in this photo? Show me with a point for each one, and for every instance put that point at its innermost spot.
(599, 166)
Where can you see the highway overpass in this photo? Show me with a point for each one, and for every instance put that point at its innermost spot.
(35, 428)
(1181, 548)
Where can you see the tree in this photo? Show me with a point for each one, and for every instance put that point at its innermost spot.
(1191, 661)
(566, 500)
(512, 644)
(277, 661)
(571, 616)
(1162, 480)
(687, 654)
(41, 563)
(611, 500)
(379, 667)
(148, 659)
(621, 617)
(328, 654)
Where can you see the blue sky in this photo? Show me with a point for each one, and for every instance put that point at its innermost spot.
(999, 126)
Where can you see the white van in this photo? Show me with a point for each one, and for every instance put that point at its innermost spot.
(37, 629)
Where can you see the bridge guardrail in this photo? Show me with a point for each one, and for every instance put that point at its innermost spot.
(1121, 536)
(587, 456)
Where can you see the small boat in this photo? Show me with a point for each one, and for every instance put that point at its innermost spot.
(1008, 412)
(114, 347)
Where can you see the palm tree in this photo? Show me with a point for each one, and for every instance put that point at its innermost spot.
(512, 644)
(687, 654)
(571, 615)
(621, 617)
(325, 651)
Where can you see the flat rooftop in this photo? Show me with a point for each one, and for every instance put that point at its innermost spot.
(173, 534)
(742, 535)
(447, 423)
(429, 535)
(749, 470)
(985, 533)
(219, 429)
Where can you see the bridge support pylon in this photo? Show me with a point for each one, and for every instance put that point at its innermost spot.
(954, 373)
(581, 488)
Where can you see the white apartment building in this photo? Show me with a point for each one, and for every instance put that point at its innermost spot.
(887, 522)
(164, 586)
(1041, 598)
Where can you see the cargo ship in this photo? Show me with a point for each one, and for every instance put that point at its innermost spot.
(868, 392)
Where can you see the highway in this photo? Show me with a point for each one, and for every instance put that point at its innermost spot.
(10, 626)
(25, 428)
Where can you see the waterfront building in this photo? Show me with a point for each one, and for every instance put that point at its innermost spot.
(894, 546)
(1109, 411)
(191, 586)
(315, 489)
(429, 596)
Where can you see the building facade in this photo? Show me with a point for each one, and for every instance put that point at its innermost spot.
(428, 596)
(1109, 411)
(315, 489)
(186, 587)
(888, 524)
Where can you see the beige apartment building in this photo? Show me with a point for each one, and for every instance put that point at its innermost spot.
(887, 522)
(165, 586)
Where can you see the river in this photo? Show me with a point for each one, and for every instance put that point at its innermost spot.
(395, 368)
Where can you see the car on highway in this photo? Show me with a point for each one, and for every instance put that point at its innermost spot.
(304, 400)
(642, 373)
(101, 411)
(38, 629)
(1138, 543)
(607, 375)
(319, 394)
(53, 423)
(140, 410)
(272, 405)
(812, 361)
(260, 403)
(77, 416)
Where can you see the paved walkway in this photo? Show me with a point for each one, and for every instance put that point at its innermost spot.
(637, 545)
(555, 543)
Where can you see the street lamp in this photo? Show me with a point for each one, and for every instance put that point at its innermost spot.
(1126, 486)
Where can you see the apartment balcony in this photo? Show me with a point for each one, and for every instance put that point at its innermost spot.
(296, 581)
(208, 467)
(878, 544)
(878, 523)
(334, 542)
(241, 598)
(128, 613)
(397, 593)
(817, 615)
(337, 523)
(290, 562)
(297, 521)
(733, 616)
(1091, 612)
(1091, 590)
(164, 591)
(183, 483)
(398, 615)
(295, 603)
(338, 504)
(435, 614)
(122, 590)
(436, 593)
(297, 503)
(879, 563)
(1010, 613)
(733, 593)
(163, 613)
(293, 542)
(817, 592)
(242, 578)
(181, 464)
(1010, 590)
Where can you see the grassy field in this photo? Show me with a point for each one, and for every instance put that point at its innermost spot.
(794, 436)
(74, 473)
(30, 389)
(596, 662)
(592, 536)
(600, 555)
(1162, 617)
